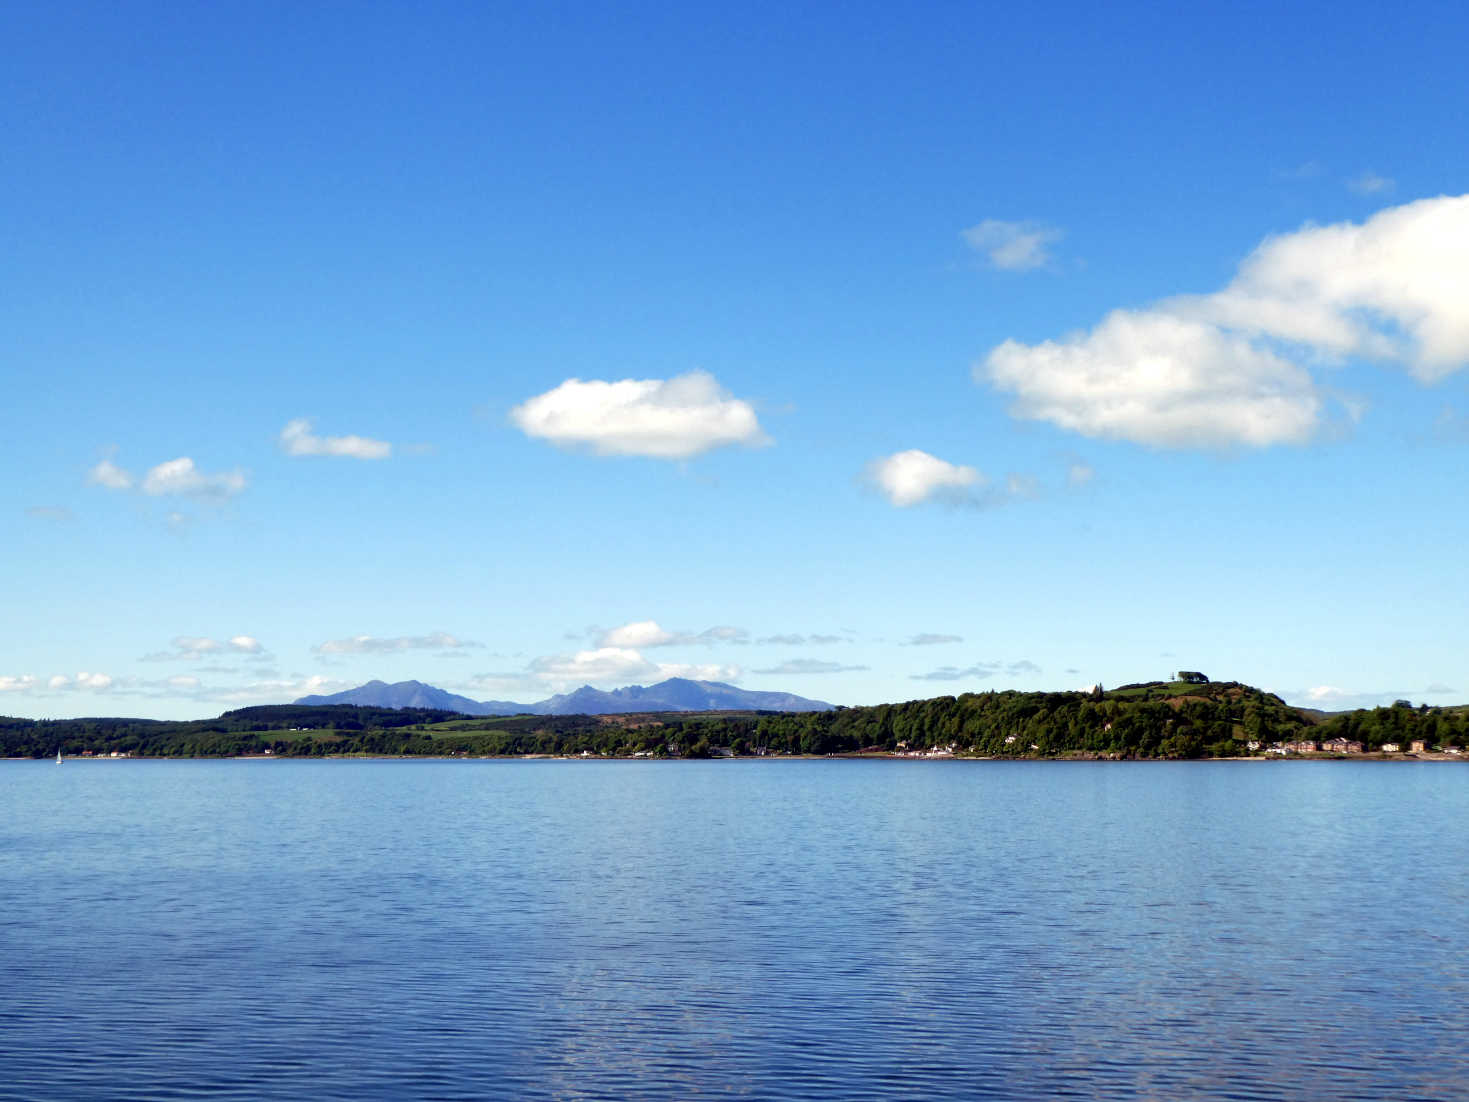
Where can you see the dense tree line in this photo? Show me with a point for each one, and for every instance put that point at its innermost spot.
(1402, 724)
(1146, 720)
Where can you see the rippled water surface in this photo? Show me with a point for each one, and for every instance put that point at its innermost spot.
(778, 930)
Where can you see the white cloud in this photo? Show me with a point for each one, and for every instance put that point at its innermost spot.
(1388, 289)
(1013, 246)
(274, 689)
(190, 648)
(794, 639)
(603, 664)
(979, 671)
(370, 644)
(665, 419)
(954, 673)
(643, 633)
(1158, 379)
(1232, 367)
(648, 633)
(297, 439)
(605, 667)
(181, 477)
(1370, 183)
(698, 671)
(108, 474)
(96, 682)
(910, 477)
(799, 666)
(22, 683)
(931, 639)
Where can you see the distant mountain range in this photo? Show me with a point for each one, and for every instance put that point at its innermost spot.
(677, 694)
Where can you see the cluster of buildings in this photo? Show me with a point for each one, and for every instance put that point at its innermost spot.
(1343, 746)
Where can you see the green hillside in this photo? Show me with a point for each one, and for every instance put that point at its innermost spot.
(1155, 719)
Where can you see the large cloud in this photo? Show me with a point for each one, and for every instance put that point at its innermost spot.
(665, 419)
(1159, 379)
(297, 439)
(1232, 367)
(617, 666)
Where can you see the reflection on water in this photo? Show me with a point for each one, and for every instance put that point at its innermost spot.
(782, 930)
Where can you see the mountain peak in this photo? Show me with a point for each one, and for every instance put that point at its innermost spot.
(676, 694)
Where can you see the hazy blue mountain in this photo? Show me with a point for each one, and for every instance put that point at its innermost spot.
(415, 694)
(677, 694)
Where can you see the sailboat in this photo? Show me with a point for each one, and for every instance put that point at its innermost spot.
(58, 755)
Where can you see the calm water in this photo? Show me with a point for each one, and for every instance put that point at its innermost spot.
(782, 930)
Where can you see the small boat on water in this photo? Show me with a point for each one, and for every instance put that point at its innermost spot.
(58, 755)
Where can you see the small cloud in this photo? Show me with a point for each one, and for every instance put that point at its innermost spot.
(785, 640)
(642, 633)
(1370, 183)
(648, 633)
(297, 439)
(56, 514)
(978, 672)
(21, 683)
(371, 644)
(676, 418)
(1079, 474)
(801, 666)
(1438, 688)
(931, 639)
(723, 633)
(180, 477)
(1013, 246)
(912, 477)
(192, 648)
(109, 475)
(1306, 170)
(954, 673)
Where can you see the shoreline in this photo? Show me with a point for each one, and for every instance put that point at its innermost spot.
(885, 757)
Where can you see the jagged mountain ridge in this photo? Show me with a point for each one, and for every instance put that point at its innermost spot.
(677, 694)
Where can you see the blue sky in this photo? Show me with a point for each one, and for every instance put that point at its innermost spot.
(862, 352)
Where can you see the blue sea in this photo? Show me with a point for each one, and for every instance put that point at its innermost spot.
(759, 929)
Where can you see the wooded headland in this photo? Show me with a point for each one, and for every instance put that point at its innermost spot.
(1157, 719)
